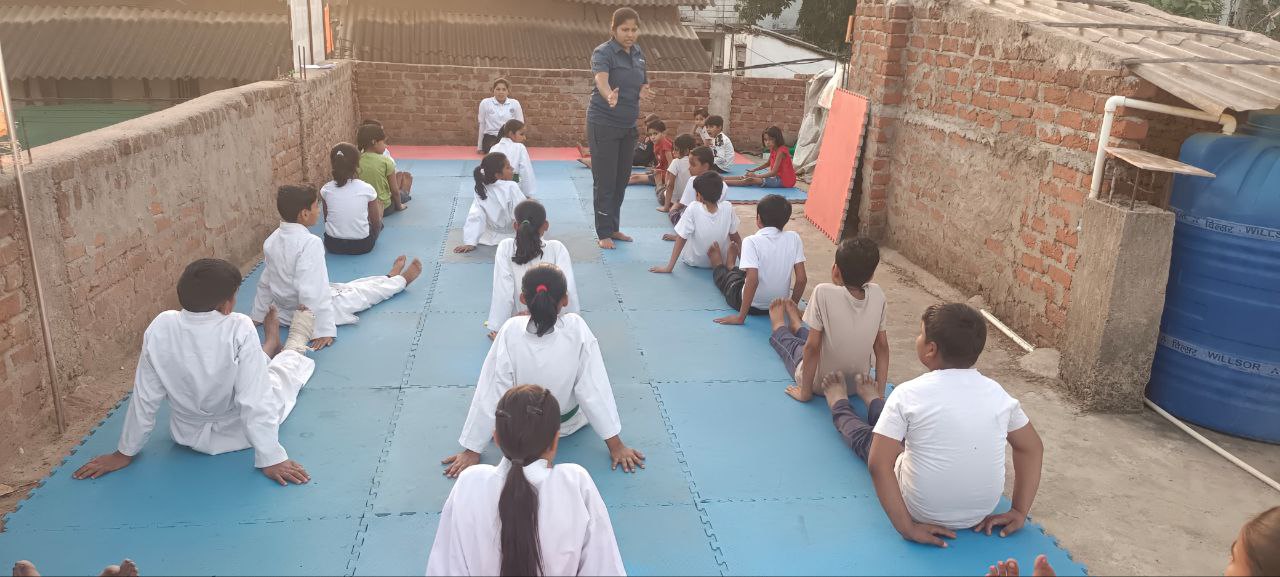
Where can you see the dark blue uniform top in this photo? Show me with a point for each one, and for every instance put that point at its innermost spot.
(627, 74)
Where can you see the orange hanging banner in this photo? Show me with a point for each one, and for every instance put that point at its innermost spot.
(328, 33)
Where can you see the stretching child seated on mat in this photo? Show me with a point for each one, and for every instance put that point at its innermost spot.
(677, 172)
(226, 391)
(404, 180)
(378, 170)
(511, 143)
(528, 515)
(641, 156)
(782, 174)
(352, 213)
(294, 273)
(770, 258)
(516, 256)
(937, 452)
(720, 144)
(846, 325)
(493, 210)
(560, 353)
(709, 225)
(700, 162)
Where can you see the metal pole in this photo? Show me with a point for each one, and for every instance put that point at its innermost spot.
(54, 387)
(311, 36)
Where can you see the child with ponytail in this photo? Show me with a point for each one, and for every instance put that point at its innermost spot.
(511, 143)
(499, 520)
(352, 213)
(492, 212)
(560, 353)
(516, 256)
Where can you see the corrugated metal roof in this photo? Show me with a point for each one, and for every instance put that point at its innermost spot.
(380, 34)
(641, 3)
(1211, 67)
(125, 42)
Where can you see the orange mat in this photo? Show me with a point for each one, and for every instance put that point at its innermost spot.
(838, 157)
(468, 153)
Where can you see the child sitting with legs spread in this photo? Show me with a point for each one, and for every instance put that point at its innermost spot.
(720, 145)
(511, 143)
(846, 324)
(701, 161)
(226, 391)
(352, 213)
(710, 224)
(642, 156)
(936, 446)
(782, 174)
(528, 515)
(404, 180)
(662, 151)
(770, 258)
(516, 256)
(558, 351)
(295, 275)
(677, 172)
(493, 210)
(378, 170)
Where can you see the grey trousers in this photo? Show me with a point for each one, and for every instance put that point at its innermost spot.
(612, 150)
(856, 432)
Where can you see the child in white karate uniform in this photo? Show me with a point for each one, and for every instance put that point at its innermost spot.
(528, 515)
(516, 256)
(226, 391)
(557, 351)
(493, 210)
(295, 275)
(512, 145)
(709, 222)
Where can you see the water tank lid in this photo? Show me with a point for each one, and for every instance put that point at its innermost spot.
(1267, 121)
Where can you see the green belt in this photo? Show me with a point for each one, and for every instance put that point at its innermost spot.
(565, 417)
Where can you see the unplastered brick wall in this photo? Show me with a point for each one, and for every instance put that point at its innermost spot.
(436, 105)
(980, 148)
(118, 213)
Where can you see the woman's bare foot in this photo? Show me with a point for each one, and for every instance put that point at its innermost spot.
(834, 389)
(866, 389)
(413, 272)
(271, 332)
(583, 151)
(25, 569)
(398, 266)
(778, 313)
(126, 568)
(622, 237)
(585, 162)
(714, 255)
(793, 312)
(606, 243)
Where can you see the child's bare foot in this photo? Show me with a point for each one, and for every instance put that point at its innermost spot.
(734, 250)
(605, 243)
(398, 266)
(25, 569)
(834, 388)
(413, 272)
(778, 313)
(126, 568)
(866, 388)
(271, 332)
(621, 237)
(714, 255)
(793, 312)
(664, 208)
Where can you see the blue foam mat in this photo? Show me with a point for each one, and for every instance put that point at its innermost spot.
(740, 480)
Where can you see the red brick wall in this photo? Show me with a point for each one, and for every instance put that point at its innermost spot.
(980, 149)
(436, 105)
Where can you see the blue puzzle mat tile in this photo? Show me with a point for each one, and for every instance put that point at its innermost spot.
(647, 248)
(667, 540)
(555, 186)
(428, 208)
(753, 194)
(224, 548)
(170, 484)
(422, 243)
(622, 357)
(595, 287)
(852, 536)
(464, 288)
(482, 253)
(685, 288)
(424, 170)
(675, 344)
(580, 241)
(396, 545)
(451, 351)
(371, 353)
(567, 213)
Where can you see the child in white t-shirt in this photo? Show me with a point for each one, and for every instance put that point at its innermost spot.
(678, 171)
(770, 258)
(937, 452)
(720, 145)
(709, 222)
(352, 213)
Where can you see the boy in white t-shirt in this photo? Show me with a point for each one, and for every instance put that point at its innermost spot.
(709, 222)
(678, 171)
(701, 160)
(770, 258)
(937, 452)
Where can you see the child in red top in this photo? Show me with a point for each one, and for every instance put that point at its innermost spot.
(782, 174)
(663, 151)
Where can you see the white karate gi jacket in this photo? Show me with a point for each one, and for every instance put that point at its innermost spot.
(574, 530)
(508, 276)
(489, 220)
(565, 361)
(295, 274)
(518, 155)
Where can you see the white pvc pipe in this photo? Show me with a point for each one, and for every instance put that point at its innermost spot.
(1213, 446)
(1008, 332)
(1227, 121)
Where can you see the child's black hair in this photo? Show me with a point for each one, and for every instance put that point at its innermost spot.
(1261, 536)
(510, 128)
(701, 111)
(291, 200)
(622, 16)
(531, 215)
(857, 259)
(543, 287)
(206, 284)
(369, 134)
(370, 122)
(488, 171)
(704, 155)
(715, 120)
(526, 423)
(710, 186)
(658, 125)
(344, 160)
(959, 332)
(774, 133)
(685, 143)
(502, 81)
(774, 211)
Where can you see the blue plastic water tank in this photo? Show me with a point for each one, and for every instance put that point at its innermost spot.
(1218, 361)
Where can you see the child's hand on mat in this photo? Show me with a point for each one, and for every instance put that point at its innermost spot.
(103, 464)
(493, 335)
(794, 392)
(1012, 520)
(287, 472)
(929, 534)
(320, 343)
(464, 248)
(458, 463)
(732, 320)
(660, 269)
(670, 236)
(623, 455)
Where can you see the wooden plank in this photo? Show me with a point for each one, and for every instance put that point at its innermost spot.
(1151, 27)
(1199, 60)
(1147, 161)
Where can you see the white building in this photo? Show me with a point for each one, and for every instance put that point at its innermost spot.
(768, 49)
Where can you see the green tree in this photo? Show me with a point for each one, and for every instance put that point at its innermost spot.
(1262, 16)
(821, 22)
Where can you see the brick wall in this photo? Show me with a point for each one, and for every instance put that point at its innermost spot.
(118, 213)
(980, 148)
(436, 105)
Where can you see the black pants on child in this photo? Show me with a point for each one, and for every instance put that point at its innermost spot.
(487, 142)
(856, 432)
(730, 282)
(351, 245)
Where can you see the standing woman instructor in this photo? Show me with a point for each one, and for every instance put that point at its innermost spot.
(618, 68)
